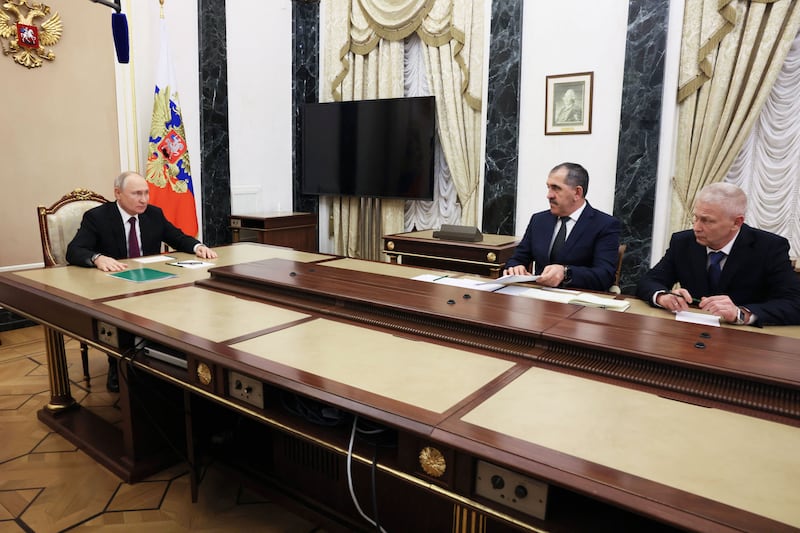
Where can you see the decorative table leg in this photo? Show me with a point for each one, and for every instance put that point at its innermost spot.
(60, 395)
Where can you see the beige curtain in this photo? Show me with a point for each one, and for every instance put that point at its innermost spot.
(731, 53)
(451, 56)
(364, 60)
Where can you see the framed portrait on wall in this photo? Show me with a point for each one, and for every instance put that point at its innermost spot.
(568, 104)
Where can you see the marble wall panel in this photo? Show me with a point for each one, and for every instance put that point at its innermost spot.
(214, 139)
(502, 127)
(305, 88)
(639, 130)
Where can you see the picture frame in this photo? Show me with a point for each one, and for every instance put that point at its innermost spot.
(568, 103)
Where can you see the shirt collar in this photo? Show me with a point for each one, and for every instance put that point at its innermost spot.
(725, 249)
(125, 216)
(575, 215)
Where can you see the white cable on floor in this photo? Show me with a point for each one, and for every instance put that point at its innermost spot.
(350, 474)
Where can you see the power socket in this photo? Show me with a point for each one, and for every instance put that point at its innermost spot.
(511, 489)
(108, 334)
(246, 389)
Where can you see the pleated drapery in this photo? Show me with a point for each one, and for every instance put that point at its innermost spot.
(768, 165)
(731, 53)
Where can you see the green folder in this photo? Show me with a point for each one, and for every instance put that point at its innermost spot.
(142, 274)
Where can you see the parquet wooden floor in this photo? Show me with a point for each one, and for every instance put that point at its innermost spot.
(48, 485)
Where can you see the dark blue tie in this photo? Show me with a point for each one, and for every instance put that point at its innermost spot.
(714, 270)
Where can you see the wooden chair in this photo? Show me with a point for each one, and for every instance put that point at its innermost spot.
(58, 224)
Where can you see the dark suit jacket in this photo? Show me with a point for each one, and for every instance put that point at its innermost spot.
(102, 231)
(757, 274)
(590, 251)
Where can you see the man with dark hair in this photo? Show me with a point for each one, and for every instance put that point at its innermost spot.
(741, 274)
(572, 244)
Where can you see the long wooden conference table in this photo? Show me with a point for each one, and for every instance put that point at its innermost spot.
(435, 407)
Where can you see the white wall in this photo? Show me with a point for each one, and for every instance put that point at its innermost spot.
(560, 38)
(260, 105)
(669, 129)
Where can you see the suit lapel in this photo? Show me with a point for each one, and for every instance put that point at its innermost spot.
(118, 231)
(736, 258)
(583, 222)
(145, 230)
(544, 235)
(698, 259)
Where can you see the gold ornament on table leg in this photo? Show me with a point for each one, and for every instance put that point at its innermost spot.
(432, 461)
(26, 39)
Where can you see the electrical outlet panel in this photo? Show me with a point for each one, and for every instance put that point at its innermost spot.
(246, 389)
(108, 334)
(511, 489)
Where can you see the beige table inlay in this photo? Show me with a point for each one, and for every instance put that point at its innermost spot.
(223, 316)
(387, 269)
(93, 284)
(417, 373)
(719, 455)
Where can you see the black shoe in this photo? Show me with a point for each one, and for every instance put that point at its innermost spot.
(112, 381)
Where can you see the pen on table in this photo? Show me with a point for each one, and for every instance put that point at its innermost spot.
(695, 301)
(188, 263)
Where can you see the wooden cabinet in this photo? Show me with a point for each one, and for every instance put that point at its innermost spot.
(420, 248)
(294, 230)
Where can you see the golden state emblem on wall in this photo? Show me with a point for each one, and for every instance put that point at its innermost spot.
(26, 30)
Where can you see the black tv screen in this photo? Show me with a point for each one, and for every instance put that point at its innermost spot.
(378, 148)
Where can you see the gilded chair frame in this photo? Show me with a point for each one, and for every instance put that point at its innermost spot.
(77, 195)
(55, 255)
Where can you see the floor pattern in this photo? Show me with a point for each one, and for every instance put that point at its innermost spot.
(48, 485)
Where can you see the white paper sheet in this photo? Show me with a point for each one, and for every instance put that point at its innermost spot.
(191, 263)
(697, 318)
(154, 259)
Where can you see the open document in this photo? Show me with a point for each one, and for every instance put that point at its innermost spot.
(515, 278)
(566, 296)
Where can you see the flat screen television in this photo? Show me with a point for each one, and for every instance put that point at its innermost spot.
(377, 148)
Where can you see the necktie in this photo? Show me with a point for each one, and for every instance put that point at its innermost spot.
(714, 270)
(133, 240)
(561, 238)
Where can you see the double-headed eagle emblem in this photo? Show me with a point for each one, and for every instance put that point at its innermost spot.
(27, 40)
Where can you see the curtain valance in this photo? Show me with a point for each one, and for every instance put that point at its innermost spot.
(437, 22)
(706, 24)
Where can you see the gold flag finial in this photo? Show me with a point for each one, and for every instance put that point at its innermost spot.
(162, 7)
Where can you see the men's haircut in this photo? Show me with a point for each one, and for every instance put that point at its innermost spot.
(119, 181)
(576, 175)
(731, 198)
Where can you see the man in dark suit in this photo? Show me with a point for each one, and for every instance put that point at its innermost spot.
(127, 228)
(572, 244)
(103, 237)
(741, 274)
